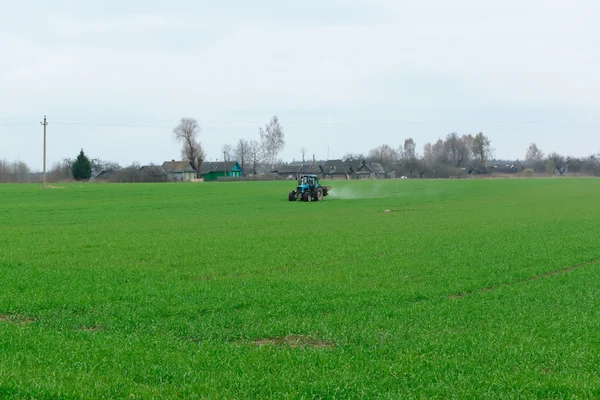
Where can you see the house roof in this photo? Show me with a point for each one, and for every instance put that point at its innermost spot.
(288, 169)
(106, 172)
(151, 168)
(218, 166)
(300, 169)
(375, 168)
(309, 169)
(178, 166)
(340, 166)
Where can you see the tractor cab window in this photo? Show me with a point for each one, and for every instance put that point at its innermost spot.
(306, 180)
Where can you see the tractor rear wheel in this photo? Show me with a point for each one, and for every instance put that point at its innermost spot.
(319, 195)
(292, 196)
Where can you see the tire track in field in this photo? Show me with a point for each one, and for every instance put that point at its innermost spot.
(526, 280)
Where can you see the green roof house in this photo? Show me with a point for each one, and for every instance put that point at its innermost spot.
(211, 171)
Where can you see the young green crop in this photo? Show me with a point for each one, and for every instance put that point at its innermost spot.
(228, 290)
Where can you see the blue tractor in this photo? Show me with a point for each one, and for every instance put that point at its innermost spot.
(309, 189)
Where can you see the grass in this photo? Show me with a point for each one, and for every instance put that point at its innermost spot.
(226, 290)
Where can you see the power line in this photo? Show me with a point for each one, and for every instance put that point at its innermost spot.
(17, 123)
(217, 124)
(109, 124)
(20, 117)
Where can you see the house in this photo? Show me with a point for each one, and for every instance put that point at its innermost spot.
(151, 173)
(287, 171)
(309, 169)
(290, 171)
(105, 174)
(181, 171)
(477, 168)
(370, 171)
(211, 171)
(339, 169)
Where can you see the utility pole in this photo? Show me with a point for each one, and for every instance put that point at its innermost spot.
(225, 161)
(45, 124)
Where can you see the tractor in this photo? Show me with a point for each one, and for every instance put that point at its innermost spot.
(309, 189)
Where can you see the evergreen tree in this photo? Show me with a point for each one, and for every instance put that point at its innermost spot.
(82, 168)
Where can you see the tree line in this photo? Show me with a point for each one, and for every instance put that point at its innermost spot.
(447, 157)
(455, 154)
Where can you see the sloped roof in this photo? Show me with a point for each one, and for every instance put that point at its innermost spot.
(377, 168)
(178, 166)
(341, 166)
(217, 166)
(478, 168)
(300, 169)
(106, 173)
(288, 169)
(309, 169)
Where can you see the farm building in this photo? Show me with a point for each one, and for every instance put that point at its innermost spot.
(183, 171)
(211, 171)
(340, 169)
(105, 174)
(293, 171)
(152, 173)
(368, 170)
(335, 169)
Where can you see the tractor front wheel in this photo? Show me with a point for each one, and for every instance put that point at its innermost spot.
(292, 196)
(306, 196)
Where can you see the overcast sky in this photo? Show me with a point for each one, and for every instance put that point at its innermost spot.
(115, 76)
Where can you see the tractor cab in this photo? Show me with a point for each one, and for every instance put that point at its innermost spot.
(308, 181)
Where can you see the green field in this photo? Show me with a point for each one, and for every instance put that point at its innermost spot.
(466, 289)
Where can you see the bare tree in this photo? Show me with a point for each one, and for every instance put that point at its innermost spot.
(534, 155)
(439, 151)
(457, 149)
(20, 172)
(559, 162)
(102, 165)
(573, 164)
(187, 132)
(428, 154)
(255, 151)
(242, 152)
(227, 151)
(61, 171)
(410, 148)
(128, 174)
(480, 146)
(303, 150)
(272, 140)
(15, 172)
(354, 157)
(383, 154)
(4, 171)
(591, 165)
